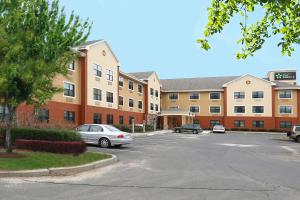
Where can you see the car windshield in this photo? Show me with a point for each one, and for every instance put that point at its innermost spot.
(112, 128)
(219, 126)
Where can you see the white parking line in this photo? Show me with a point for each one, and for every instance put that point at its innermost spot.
(293, 151)
(238, 145)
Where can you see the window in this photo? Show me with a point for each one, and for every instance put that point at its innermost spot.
(140, 88)
(121, 81)
(173, 96)
(69, 89)
(69, 116)
(285, 94)
(97, 70)
(131, 103)
(109, 119)
(214, 95)
(131, 120)
(41, 114)
(257, 94)
(194, 95)
(121, 100)
(215, 109)
(97, 94)
(258, 124)
(239, 109)
(130, 85)
(156, 107)
(156, 93)
(140, 105)
(3, 112)
(109, 97)
(95, 128)
(194, 109)
(239, 123)
(97, 118)
(214, 122)
(121, 119)
(285, 124)
(72, 65)
(196, 121)
(84, 128)
(151, 106)
(109, 74)
(286, 109)
(151, 91)
(239, 95)
(257, 109)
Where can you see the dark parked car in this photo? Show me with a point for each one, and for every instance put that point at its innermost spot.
(194, 128)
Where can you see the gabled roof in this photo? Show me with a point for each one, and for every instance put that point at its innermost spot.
(196, 84)
(132, 77)
(240, 77)
(142, 75)
(88, 43)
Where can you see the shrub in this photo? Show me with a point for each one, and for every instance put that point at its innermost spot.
(75, 148)
(42, 134)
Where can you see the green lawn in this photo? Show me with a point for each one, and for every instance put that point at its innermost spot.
(41, 160)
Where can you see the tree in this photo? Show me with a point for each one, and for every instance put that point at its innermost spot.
(36, 38)
(281, 17)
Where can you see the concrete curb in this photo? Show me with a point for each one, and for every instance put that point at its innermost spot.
(151, 133)
(254, 132)
(62, 171)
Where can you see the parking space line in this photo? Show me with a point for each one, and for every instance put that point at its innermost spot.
(293, 151)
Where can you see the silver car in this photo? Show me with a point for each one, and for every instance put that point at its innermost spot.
(219, 129)
(295, 133)
(103, 135)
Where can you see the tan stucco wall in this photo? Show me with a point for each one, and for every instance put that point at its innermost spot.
(73, 77)
(153, 82)
(184, 102)
(256, 84)
(135, 95)
(107, 61)
(286, 102)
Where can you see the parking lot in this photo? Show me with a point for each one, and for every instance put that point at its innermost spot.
(180, 166)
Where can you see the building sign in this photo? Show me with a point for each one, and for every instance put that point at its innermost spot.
(285, 76)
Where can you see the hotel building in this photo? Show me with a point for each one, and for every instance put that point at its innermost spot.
(97, 91)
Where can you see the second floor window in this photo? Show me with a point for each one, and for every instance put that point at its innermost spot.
(72, 65)
(239, 109)
(97, 94)
(257, 109)
(130, 85)
(194, 95)
(257, 94)
(121, 81)
(140, 105)
(121, 100)
(173, 96)
(131, 103)
(97, 70)
(151, 91)
(151, 106)
(156, 93)
(140, 88)
(214, 95)
(285, 94)
(194, 109)
(239, 95)
(156, 107)
(109, 74)
(109, 97)
(69, 89)
(215, 109)
(285, 109)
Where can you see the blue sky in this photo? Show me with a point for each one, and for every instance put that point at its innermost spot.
(161, 35)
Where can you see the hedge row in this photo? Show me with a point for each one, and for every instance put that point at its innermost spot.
(137, 129)
(41, 134)
(75, 148)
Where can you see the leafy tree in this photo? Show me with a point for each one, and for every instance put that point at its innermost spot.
(281, 17)
(36, 38)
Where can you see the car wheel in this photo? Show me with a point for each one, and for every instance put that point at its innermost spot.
(195, 132)
(298, 138)
(104, 143)
(177, 131)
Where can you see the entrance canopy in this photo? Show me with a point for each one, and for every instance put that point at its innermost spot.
(175, 117)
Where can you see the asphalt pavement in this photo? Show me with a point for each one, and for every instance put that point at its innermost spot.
(179, 166)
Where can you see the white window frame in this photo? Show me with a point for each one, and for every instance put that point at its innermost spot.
(194, 106)
(258, 91)
(239, 92)
(139, 84)
(100, 93)
(192, 93)
(121, 78)
(119, 101)
(258, 113)
(292, 109)
(132, 102)
(285, 98)
(173, 93)
(239, 112)
(72, 63)
(99, 67)
(112, 95)
(110, 74)
(215, 99)
(139, 104)
(215, 113)
(130, 81)
(74, 89)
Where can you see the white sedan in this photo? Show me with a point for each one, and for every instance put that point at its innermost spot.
(103, 135)
(219, 129)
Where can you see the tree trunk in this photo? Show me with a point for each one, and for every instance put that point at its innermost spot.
(9, 125)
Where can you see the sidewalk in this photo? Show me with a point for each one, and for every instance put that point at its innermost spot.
(160, 132)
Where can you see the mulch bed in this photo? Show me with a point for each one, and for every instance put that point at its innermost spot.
(11, 155)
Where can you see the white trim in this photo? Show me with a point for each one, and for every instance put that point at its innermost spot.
(100, 92)
(215, 106)
(132, 85)
(194, 106)
(258, 91)
(173, 99)
(194, 99)
(129, 102)
(173, 107)
(258, 106)
(119, 101)
(292, 109)
(245, 75)
(74, 90)
(239, 112)
(121, 81)
(113, 97)
(139, 84)
(100, 71)
(215, 99)
(285, 98)
(239, 92)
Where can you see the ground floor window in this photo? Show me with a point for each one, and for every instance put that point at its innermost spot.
(97, 118)
(121, 119)
(69, 116)
(3, 112)
(41, 114)
(196, 121)
(239, 123)
(110, 119)
(285, 124)
(214, 122)
(258, 124)
(131, 119)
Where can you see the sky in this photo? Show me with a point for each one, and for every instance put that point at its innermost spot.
(160, 35)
